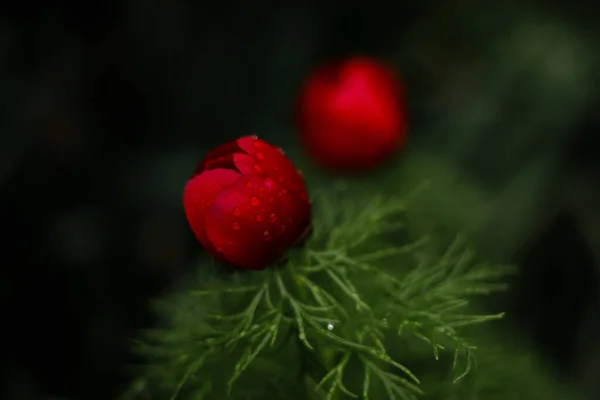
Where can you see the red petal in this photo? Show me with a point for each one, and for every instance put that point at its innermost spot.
(219, 157)
(297, 212)
(244, 163)
(271, 162)
(199, 194)
(249, 223)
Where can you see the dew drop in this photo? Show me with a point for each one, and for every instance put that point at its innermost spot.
(254, 201)
(330, 326)
(266, 236)
(281, 150)
(235, 226)
(258, 218)
(249, 184)
(237, 211)
(282, 228)
(257, 168)
(300, 173)
(283, 191)
(256, 143)
(260, 157)
(220, 249)
(279, 179)
(254, 137)
(273, 217)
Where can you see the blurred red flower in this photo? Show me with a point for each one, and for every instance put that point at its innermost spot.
(351, 115)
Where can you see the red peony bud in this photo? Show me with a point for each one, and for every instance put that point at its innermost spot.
(247, 203)
(351, 115)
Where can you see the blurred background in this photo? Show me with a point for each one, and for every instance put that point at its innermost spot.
(106, 107)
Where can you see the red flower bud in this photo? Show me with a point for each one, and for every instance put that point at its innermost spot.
(350, 114)
(246, 203)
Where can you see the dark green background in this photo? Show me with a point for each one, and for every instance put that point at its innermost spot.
(107, 106)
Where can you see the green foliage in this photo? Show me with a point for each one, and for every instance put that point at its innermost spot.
(348, 316)
(505, 372)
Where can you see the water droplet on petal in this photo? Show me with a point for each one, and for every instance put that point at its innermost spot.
(281, 150)
(220, 249)
(282, 228)
(273, 217)
(237, 211)
(330, 326)
(256, 143)
(249, 184)
(254, 137)
(235, 226)
(266, 236)
(257, 168)
(260, 157)
(254, 201)
(283, 191)
(279, 179)
(300, 173)
(258, 218)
